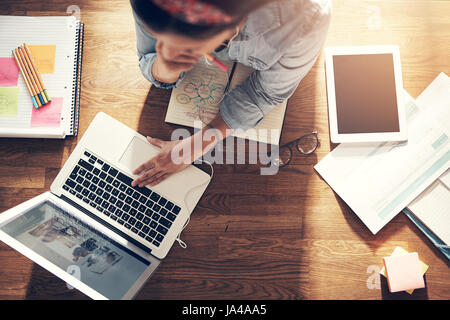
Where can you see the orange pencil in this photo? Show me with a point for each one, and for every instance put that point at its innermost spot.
(37, 72)
(33, 74)
(25, 79)
(28, 71)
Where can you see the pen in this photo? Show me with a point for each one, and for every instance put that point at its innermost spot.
(216, 62)
(230, 77)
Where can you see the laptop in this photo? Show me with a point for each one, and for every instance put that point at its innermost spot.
(92, 229)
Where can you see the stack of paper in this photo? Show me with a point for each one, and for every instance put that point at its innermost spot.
(379, 180)
(404, 271)
(432, 207)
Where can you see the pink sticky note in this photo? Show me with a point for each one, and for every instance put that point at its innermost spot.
(48, 115)
(404, 272)
(9, 72)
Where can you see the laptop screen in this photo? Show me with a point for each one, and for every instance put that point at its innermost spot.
(98, 261)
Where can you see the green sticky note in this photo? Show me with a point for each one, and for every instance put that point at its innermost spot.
(9, 101)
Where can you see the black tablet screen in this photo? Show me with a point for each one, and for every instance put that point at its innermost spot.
(366, 100)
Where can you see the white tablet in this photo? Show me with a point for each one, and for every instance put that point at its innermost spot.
(365, 97)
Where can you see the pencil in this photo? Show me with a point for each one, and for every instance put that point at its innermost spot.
(217, 62)
(37, 72)
(30, 76)
(25, 80)
(33, 73)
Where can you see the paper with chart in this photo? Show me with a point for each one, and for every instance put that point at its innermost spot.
(432, 207)
(377, 181)
(197, 100)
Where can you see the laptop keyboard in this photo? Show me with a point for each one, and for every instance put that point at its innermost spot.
(140, 210)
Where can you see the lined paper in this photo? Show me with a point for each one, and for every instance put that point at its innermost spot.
(197, 100)
(432, 207)
(57, 31)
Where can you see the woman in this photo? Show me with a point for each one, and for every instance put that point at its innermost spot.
(280, 39)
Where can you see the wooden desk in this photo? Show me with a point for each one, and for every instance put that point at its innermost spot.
(286, 236)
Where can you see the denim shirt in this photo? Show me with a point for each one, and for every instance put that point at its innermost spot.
(280, 40)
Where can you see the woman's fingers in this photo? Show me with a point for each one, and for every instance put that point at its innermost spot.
(159, 179)
(139, 180)
(145, 166)
(150, 178)
(155, 141)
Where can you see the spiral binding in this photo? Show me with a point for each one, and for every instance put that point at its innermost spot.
(76, 88)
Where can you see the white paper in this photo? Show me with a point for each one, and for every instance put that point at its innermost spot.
(445, 179)
(197, 100)
(378, 180)
(432, 207)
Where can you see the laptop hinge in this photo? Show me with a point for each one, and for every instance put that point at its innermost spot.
(106, 224)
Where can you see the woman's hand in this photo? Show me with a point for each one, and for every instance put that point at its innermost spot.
(162, 165)
(168, 66)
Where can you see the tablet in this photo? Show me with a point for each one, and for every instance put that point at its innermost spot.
(365, 94)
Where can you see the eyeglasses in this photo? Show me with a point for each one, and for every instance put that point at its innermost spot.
(306, 145)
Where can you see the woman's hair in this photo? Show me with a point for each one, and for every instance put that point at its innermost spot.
(159, 20)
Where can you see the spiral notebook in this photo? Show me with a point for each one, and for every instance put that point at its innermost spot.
(59, 41)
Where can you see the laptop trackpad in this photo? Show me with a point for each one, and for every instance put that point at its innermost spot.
(137, 152)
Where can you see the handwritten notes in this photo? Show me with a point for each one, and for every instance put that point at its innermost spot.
(9, 72)
(49, 115)
(9, 101)
(44, 57)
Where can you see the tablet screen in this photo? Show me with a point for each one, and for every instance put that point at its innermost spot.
(366, 100)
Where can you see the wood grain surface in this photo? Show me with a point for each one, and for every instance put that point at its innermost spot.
(286, 236)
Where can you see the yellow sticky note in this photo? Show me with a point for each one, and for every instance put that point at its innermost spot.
(9, 101)
(44, 57)
(398, 251)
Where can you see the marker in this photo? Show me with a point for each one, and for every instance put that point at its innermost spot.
(216, 62)
(25, 79)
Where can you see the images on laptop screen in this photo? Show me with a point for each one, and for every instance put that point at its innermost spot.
(106, 266)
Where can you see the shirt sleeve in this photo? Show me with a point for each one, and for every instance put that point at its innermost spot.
(146, 50)
(246, 104)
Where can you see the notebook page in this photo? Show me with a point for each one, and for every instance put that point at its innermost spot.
(59, 31)
(198, 98)
(432, 207)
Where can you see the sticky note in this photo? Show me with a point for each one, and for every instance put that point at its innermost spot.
(9, 101)
(48, 115)
(9, 72)
(44, 57)
(404, 272)
(398, 251)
